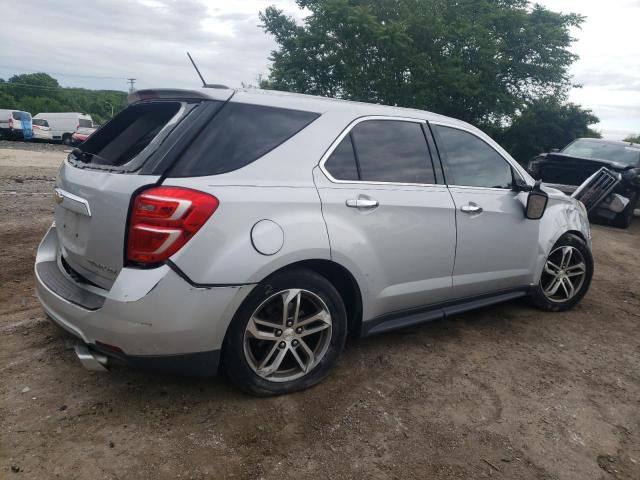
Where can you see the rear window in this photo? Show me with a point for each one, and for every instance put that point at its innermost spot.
(21, 116)
(238, 135)
(84, 123)
(128, 134)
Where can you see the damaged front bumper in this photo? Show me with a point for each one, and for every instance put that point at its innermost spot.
(597, 193)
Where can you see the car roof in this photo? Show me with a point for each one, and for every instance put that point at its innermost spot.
(297, 101)
(320, 104)
(62, 114)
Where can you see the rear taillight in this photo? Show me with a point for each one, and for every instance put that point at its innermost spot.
(10, 122)
(163, 219)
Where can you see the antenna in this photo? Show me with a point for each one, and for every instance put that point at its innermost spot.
(204, 84)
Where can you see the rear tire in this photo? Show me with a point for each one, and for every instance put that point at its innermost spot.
(267, 353)
(67, 140)
(560, 286)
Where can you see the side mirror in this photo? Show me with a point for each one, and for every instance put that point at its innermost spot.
(536, 202)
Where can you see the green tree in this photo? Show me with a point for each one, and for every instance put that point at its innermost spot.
(33, 85)
(633, 138)
(39, 92)
(481, 61)
(545, 124)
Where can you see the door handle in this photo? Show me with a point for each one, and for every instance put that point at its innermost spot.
(362, 203)
(471, 208)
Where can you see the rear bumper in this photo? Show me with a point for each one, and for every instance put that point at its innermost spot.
(153, 316)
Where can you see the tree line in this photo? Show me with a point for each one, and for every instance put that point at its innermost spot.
(40, 92)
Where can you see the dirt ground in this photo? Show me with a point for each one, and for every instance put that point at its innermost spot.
(503, 392)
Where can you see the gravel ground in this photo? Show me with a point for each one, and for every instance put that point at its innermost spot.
(33, 146)
(502, 392)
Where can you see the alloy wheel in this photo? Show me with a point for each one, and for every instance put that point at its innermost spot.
(564, 273)
(287, 335)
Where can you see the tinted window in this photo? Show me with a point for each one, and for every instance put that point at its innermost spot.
(238, 135)
(342, 162)
(392, 151)
(616, 152)
(21, 116)
(470, 161)
(128, 134)
(84, 123)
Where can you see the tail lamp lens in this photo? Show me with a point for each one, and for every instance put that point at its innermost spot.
(163, 219)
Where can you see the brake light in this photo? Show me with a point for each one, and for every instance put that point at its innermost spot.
(10, 122)
(164, 219)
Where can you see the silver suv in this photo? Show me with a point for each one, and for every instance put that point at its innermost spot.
(258, 229)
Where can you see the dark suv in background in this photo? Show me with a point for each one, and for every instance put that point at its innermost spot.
(570, 167)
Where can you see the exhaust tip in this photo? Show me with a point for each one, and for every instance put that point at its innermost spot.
(91, 360)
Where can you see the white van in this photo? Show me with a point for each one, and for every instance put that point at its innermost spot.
(15, 124)
(64, 124)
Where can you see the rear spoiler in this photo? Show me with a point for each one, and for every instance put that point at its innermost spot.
(222, 94)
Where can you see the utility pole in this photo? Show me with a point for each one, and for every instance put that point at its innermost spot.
(111, 107)
(132, 82)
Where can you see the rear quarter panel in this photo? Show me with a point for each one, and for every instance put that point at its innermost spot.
(222, 252)
(277, 187)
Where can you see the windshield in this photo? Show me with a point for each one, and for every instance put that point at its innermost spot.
(21, 116)
(586, 148)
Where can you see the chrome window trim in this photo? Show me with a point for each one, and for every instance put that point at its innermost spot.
(346, 132)
(515, 165)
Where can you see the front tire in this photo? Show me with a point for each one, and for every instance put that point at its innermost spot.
(566, 275)
(286, 335)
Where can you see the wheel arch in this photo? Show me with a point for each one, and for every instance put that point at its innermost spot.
(561, 218)
(344, 282)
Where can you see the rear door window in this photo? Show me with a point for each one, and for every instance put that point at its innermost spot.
(84, 123)
(237, 136)
(341, 165)
(392, 151)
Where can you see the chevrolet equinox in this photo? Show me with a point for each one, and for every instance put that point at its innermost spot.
(255, 230)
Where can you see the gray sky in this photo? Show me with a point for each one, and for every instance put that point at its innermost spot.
(98, 44)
